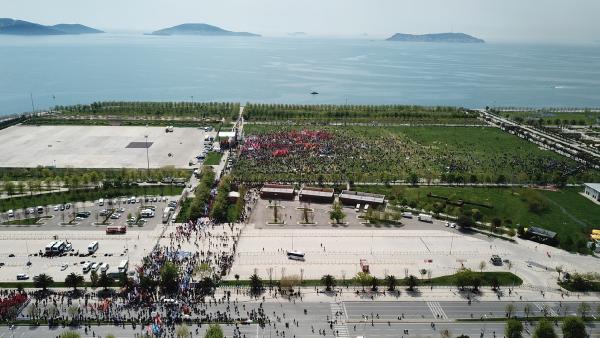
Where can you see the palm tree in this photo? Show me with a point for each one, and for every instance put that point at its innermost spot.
(329, 282)
(43, 281)
(255, 284)
(74, 280)
(391, 282)
(411, 281)
(374, 283)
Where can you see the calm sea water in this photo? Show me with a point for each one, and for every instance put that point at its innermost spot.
(83, 69)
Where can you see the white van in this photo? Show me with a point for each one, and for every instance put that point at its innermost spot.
(101, 202)
(123, 266)
(357, 209)
(366, 207)
(40, 210)
(10, 213)
(87, 267)
(93, 247)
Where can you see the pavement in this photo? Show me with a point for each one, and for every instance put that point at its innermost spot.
(98, 146)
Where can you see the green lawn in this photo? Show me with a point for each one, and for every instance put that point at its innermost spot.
(556, 118)
(383, 154)
(213, 158)
(565, 212)
(86, 195)
(25, 221)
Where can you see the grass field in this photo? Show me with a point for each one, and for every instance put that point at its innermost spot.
(383, 154)
(25, 221)
(565, 212)
(86, 195)
(213, 158)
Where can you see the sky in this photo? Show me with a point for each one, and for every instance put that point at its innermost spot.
(495, 20)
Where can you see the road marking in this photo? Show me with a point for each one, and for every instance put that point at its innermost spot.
(340, 326)
(437, 310)
(345, 312)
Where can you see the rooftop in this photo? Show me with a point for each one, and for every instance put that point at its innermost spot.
(362, 196)
(541, 232)
(595, 186)
(321, 192)
(277, 189)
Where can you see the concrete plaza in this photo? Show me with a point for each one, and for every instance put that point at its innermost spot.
(98, 147)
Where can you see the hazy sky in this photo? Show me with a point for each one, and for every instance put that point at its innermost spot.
(500, 20)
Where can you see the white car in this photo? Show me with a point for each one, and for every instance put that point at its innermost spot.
(56, 207)
(453, 225)
(447, 224)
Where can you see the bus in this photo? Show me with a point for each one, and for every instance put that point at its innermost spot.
(296, 255)
(116, 229)
(49, 248)
(93, 247)
(166, 215)
(123, 266)
(58, 247)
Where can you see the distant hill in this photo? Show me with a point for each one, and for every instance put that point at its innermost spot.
(76, 29)
(199, 29)
(439, 37)
(20, 27)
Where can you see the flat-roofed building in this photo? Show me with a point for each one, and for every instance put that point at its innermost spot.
(592, 191)
(317, 195)
(349, 197)
(541, 235)
(277, 191)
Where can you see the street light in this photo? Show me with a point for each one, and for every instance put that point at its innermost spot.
(147, 156)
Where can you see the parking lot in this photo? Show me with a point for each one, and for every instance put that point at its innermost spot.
(91, 215)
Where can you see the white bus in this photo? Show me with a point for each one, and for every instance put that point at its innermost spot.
(123, 266)
(93, 247)
(49, 248)
(296, 255)
(166, 215)
(58, 247)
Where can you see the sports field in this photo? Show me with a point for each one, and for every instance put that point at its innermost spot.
(98, 146)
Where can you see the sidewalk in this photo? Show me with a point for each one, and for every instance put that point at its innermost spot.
(440, 294)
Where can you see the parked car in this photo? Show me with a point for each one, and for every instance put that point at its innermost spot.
(64, 267)
(22, 276)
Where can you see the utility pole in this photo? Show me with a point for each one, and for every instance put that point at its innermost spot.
(32, 106)
(147, 156)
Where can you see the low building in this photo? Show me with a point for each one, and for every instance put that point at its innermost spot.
(592, 191)
(349, 197)
(317, 195)
(277, 191)
(541, 235)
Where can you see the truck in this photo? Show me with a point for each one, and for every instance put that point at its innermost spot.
(425, 218)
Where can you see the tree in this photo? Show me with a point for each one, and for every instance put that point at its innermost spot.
(391, 282)
(374, 283)
(527, 310)
(182, 331)
(337, 213)
(206, 286)
(584, 309)
(465, 221)
(105, 281)
(574, 327)
(363, 279)
(510, 310)
(74, 281)
(214, 331)
(513, 329)
(94, 278)
(411, 281)
(256, 285)
(9, 188)
(43, 281)
(544, 329)
(329, 282)
(169, 278)
(482, 266)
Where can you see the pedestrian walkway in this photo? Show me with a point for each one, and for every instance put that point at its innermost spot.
(338, 316)
(436, 310)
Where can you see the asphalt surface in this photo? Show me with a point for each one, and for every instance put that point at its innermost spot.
(351, 319)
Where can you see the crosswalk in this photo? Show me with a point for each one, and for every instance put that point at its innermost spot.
(545, 307)
(338, 315)
(436, 310)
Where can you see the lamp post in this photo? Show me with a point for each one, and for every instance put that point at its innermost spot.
(147, 156)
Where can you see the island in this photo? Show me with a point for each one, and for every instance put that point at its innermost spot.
(19, 27)
(438, 37)
(199, 29)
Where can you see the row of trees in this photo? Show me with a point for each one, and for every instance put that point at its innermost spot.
(224, 209)
(572, 327)
(199, 205)
(356, 112)
(204, 110)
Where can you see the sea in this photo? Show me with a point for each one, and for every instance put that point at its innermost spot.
(39, 72)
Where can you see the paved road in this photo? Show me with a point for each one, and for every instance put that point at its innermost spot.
(349, 321)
